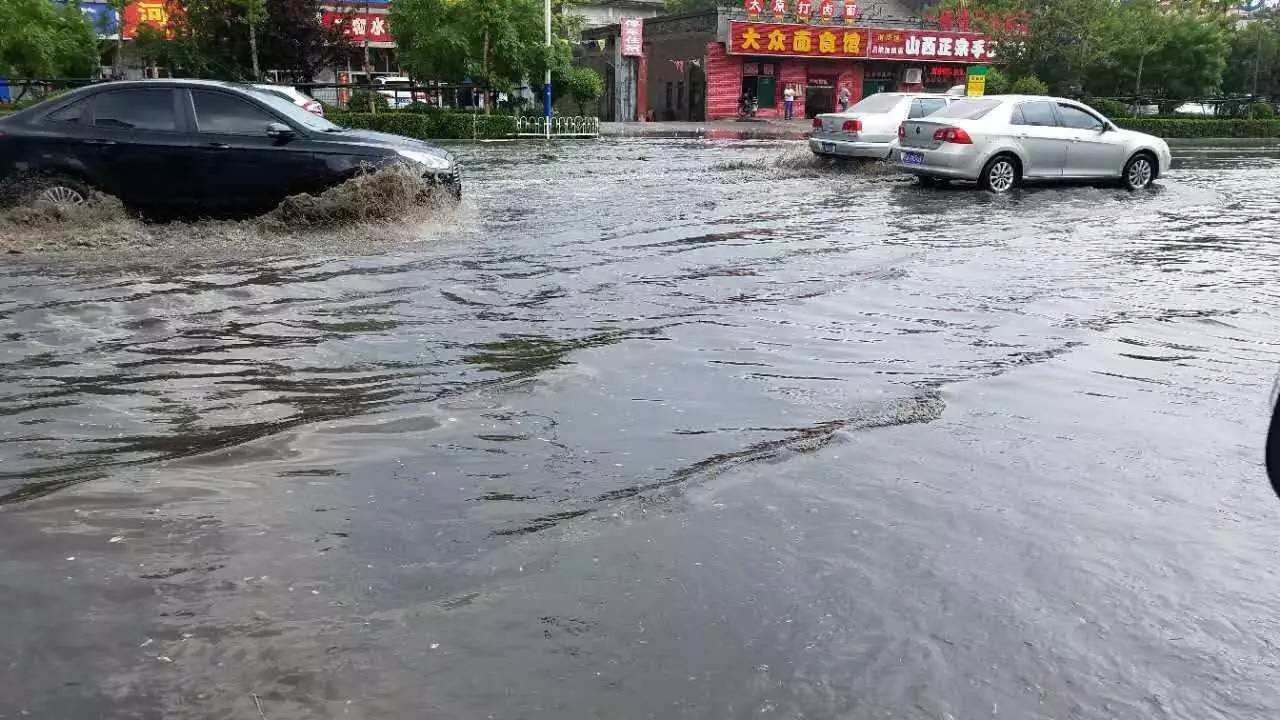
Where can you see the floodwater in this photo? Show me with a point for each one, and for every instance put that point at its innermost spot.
(660, 429)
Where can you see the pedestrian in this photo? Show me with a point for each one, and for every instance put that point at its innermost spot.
(789, 101)
(844, 99)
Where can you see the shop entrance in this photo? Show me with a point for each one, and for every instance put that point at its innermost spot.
(871, 87)
(819, 96)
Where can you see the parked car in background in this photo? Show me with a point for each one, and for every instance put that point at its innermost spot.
(870, 126)
(1003, 140)
(295, 96)
(399, 90)
(194, 146)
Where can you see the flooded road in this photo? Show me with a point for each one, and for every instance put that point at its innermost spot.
(661, 429)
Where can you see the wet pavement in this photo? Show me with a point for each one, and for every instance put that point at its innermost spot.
(661, 429)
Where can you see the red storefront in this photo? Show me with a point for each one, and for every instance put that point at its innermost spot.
(819, 61)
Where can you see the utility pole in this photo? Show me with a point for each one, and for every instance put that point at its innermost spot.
(546, 78)
(368, 69)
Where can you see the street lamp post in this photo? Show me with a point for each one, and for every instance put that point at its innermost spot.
(546, 78)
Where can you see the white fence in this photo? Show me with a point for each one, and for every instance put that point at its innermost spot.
(561, 127)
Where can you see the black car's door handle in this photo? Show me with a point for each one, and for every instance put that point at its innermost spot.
(217, 146)
(96, 141)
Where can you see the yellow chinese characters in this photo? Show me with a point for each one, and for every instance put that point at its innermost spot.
(750, 39)
(826, 42)
(778, 41)
(152, 12)
(852, 43)
(802, 41)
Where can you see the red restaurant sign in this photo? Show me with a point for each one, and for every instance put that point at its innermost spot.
(930, 45)
(360, 25)
(632, 36)
(796, 40)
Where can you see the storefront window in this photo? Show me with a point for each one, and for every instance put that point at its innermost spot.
(759, 80)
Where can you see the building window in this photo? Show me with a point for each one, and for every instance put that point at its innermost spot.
(759, 80)
(680, 95)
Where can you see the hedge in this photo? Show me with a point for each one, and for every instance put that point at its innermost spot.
(441, 125)
(1202, 127)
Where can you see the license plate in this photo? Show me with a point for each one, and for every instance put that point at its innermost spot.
(828, 147)
(912, 158)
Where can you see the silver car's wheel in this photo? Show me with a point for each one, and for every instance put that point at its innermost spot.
(1000, 175)
(1139, 172)
(59, 196)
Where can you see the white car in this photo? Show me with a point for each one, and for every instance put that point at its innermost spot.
(870, 126)
(1002, 140)
(293, 95)
(399, 92)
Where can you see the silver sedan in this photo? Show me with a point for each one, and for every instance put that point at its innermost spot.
(1001, 141)
(869, 127)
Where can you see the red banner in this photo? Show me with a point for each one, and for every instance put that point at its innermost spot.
(930, 45)
(632, 36)
(796, 40)
(358, 26)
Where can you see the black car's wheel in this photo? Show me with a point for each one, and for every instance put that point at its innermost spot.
(47, 191)
(1000, 175)
(926, 181)
(1138, 172)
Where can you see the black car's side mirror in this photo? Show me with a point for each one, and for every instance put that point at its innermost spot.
(279, 131)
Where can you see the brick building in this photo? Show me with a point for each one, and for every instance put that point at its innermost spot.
(698, 66)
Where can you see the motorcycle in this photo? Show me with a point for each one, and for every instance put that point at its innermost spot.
(748, 107)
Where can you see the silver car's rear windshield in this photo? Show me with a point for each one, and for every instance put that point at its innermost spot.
(969, 109)
(878, 103)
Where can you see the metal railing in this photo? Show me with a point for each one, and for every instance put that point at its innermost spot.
(561, 127)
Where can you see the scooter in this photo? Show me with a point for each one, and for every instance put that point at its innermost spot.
(748, 107)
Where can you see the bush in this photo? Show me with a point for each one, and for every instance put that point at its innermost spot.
(585, 86)
(1260, 111)
(1202, 128)
(997, 82)
(1028, 85)
(1110, 108)
(434, 125)
(363, 100)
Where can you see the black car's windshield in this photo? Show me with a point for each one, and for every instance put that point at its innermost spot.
(309, 120)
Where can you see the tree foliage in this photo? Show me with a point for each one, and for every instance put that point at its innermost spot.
(1170, 49)
(494, 45)
(585, 86)
(678, 7)
(40, 39)
(208, 39)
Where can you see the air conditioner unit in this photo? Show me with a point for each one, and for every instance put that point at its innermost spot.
(913, 76)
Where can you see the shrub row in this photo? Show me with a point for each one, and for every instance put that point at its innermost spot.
(1202, 128)
(443, 125)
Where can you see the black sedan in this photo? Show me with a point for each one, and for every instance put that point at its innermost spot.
(191, 146)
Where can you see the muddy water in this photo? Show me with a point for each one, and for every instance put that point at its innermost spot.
(659, 429)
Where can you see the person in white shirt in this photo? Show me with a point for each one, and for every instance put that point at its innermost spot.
(789, 101)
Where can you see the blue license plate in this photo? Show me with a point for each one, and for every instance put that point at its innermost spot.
(912, 158)
(828, 147)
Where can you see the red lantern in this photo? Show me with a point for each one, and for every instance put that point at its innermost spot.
(754, 8)
(804, 9)
(779, 9)
(850, 11)
(827, 10)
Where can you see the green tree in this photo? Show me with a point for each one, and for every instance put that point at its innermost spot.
(1253, 64)
(255, 14)
(585, 86)
(40, 39)
(495, 45)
